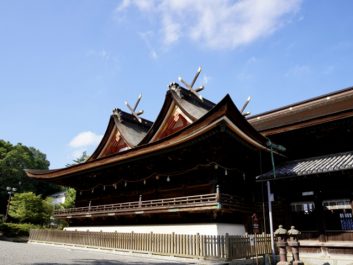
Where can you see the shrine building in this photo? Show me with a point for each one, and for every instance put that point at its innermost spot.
(203, 167)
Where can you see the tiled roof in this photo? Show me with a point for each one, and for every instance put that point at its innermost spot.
(313, 165)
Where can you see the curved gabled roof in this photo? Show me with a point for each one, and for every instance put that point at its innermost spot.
(128, 128)
(131, 130)
(223, 115)
(190, 105)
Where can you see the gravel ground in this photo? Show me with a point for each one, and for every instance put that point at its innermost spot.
(41, 254)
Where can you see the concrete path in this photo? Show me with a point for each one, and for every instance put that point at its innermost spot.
(41, 254)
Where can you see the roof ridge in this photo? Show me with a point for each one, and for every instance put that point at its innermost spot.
(330, 94)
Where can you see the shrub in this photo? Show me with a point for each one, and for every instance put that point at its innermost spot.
(28, 207)
(16, 230)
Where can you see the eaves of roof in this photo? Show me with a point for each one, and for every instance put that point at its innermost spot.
(311, 166)
(104, 140)
(310, 112)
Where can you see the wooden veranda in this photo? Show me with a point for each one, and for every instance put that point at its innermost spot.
(176, 204)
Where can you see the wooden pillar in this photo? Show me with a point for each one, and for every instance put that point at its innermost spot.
(140, 200)
(320, 215)
(226, 246)
(218, 196)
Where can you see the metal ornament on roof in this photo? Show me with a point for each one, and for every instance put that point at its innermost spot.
(190, 86)
(175, 87)
(133, 109)
(116, 113)
(244, 107)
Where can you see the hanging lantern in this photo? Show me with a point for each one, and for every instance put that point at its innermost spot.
(168, 179)
(216, 166)
(114, 185)
(157, 177)
(92, 190)
(226, 172)
(81, 192)
(125, 184)
(103, 187)
(144, 182)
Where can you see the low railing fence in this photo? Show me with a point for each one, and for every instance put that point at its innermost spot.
(191, 201)
(214, 200)
(223, 247)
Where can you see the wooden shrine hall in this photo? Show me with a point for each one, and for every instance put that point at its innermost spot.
(202, 167)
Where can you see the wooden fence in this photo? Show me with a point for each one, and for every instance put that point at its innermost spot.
(195, 246)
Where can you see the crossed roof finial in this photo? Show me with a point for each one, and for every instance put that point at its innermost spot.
(190, 86)
(133, 109)
(244, 107)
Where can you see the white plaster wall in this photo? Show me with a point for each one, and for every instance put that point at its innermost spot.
(185, 229)
(58, 200)
(231, 229)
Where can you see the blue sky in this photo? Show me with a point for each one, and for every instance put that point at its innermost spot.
(64, 65)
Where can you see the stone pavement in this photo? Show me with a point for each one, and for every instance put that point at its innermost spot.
(42, 254)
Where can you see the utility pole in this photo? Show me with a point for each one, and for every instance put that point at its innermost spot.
(10, 191)
(269, 194)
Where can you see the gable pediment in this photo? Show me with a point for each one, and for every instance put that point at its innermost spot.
(174, 121)
(115, 144)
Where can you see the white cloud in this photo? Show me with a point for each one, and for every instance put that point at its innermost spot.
(216, 24)
(85, 139)
(146, 37)
(77, 153)
(123, 5)
(171, 30)
(143, 5)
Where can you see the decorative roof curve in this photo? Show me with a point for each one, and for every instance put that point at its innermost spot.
(223, 115)
(123, 132)
(178, 100)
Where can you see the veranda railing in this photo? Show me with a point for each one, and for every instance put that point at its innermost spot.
(195, 246)
(201, 202)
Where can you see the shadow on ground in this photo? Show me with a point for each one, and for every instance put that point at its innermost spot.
(111, 262)
(14, 239)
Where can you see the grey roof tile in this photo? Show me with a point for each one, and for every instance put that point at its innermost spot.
(313, 165)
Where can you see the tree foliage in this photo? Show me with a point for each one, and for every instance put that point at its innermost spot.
(70, 197)
(79, 160)
(30, 208)
(13, 160)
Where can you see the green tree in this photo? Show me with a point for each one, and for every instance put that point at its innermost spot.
(70, 197)
(30, 208)
(79, 160)
(13, 160)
